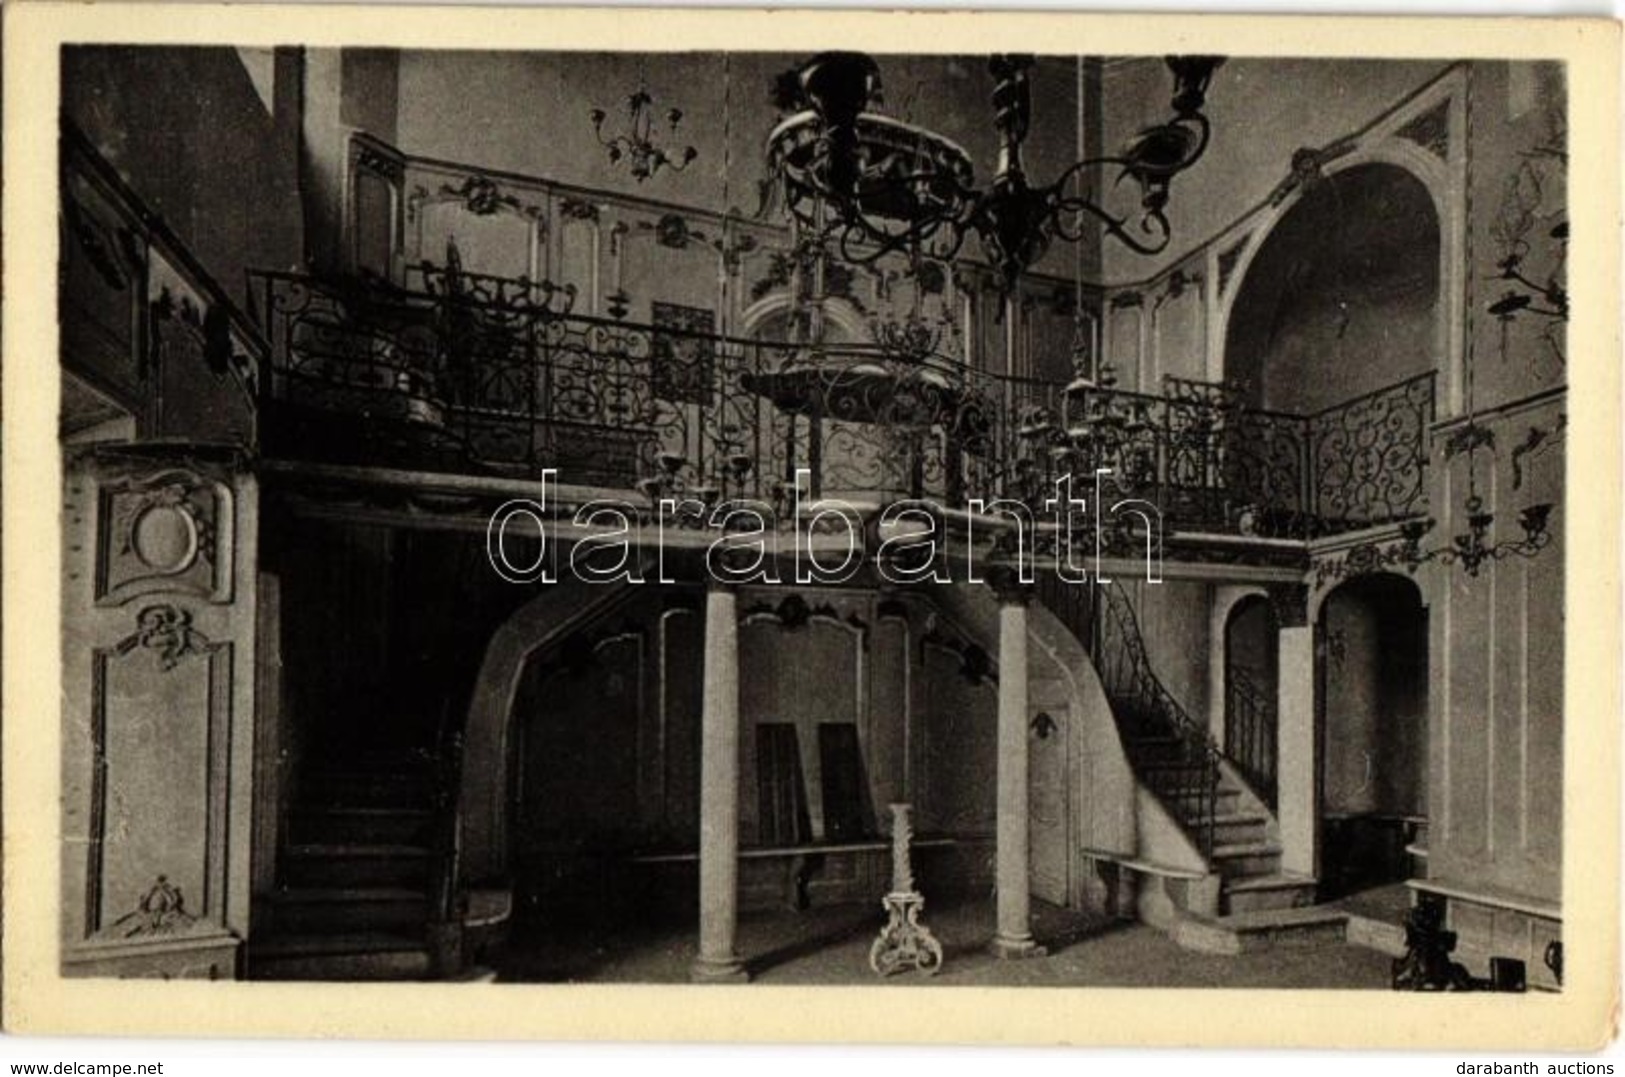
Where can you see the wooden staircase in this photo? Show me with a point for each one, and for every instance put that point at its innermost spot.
(1176, 759)
(1228, 822)
(355, 873)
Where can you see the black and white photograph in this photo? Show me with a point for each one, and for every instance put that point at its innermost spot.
(820, 517)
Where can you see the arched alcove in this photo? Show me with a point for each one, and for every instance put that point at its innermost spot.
(1373, 710)
(1343, 296)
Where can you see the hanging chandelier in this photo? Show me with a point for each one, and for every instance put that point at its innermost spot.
(644, 157)
(882, 186)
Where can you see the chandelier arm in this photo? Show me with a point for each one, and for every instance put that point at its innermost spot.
(1089, 162)
(1206, 132)
(1153, 221)
(854, 227)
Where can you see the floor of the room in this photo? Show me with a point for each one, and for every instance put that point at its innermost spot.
(1387, 903)
(830, 945)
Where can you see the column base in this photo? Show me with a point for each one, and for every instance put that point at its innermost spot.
(708, 970)
(1016, 949)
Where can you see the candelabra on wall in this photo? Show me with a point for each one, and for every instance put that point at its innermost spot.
(1533, 265)
(1472, 548)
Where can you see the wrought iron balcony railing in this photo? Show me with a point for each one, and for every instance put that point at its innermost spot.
(500, 376)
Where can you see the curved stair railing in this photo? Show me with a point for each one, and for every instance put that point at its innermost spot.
(1250, 731)
(1172, 754)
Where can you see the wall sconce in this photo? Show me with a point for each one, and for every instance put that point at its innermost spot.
(1472, 548)
(1514, 302)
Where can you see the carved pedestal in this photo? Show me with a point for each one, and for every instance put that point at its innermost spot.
(904, 942)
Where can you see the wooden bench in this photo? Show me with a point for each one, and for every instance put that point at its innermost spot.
(800, 860)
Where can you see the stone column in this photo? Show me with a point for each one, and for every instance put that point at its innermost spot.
(1297, 781)
(719, 792)
(1014, 936)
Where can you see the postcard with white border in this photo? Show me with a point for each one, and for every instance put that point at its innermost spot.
(796, 525)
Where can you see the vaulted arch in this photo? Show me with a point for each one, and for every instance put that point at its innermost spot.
(1343, 295)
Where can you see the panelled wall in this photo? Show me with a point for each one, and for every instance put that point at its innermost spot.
(850, 702)
(158, 709)
(1495, 843)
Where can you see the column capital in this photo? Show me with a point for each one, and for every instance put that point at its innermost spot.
(1007, 586)
(728, 559)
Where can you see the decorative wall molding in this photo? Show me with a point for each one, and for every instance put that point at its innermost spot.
(1430, 130)
(1308, 167)
(161, 911)
(131, 701)
(794, 613)
(1227, 263)
(168, 631)
(164, 532)
(1361, 560)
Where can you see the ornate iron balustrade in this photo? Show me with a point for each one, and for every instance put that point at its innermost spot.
(500, 376)
(1206, 461)
(1369, 456)
(1250, 732)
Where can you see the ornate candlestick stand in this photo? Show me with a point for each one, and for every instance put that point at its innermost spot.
(904, 942)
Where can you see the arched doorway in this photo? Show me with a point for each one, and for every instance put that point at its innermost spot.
(1251, 686)
(1343, 296)
(1373, 697)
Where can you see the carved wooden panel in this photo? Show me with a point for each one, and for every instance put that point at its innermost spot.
(1047, 767)
(199, 366)
(155, 767)
(157, 711)
(103, 283)
(165, 532)
(960, 749)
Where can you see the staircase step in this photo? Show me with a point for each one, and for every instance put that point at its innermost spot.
(358, 826)
(1379, 935)
(1261, 892)
(366, 789)
(1252, 858)
(1238, 828)
(330, 867)
(360, 956)
(1252, 932)
(349, 910)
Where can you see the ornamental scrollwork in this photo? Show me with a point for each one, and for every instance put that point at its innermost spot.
(480, 195)
(1308, 168)
(1430, 130)
(1362, 560)
(166, 630)
(161, 910)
